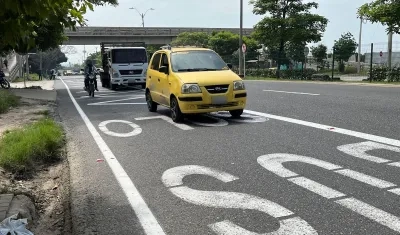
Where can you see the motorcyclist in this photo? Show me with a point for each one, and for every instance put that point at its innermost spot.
(89, 68)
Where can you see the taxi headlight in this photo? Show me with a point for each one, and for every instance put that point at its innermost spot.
(238, 85)
(190, 88)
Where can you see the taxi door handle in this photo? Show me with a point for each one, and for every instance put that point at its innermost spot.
(149, 76)
(158, 79)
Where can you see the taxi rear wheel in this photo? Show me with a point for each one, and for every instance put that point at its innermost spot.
(151, 105)
(176, 114)
(236, 113)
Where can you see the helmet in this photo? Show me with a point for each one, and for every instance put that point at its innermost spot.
(89, 62)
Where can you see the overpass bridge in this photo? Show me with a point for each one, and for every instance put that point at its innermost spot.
(149, 35)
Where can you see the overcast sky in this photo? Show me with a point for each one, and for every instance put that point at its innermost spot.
(225, 13)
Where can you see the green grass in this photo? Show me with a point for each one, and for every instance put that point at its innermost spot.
(32, 77)
(23, 149)
(7, 100)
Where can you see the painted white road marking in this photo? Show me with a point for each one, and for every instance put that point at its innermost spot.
(167, 119)
(110, 102)
(316, 187)
(359, 150)
(292, 92)
(173, 179)
(220, 122)
(361, 135)
(373, 213)
(273, 163)
(366, 178)
(244, 118)
(136, 128)
(143, 212)
(395, 191)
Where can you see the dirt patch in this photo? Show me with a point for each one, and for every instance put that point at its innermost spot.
(48, 188)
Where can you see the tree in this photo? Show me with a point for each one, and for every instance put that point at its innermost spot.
(287, 21)
(95, 57)
(50, 59)
(386, 12)
(28, 24)
(198, 39)
(344, 48)
(295, 51)
(319, 53)
(224, 43)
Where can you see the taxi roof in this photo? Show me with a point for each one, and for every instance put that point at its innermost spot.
(178, 49)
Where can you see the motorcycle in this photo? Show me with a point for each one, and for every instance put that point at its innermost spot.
(3, 81)
(90, 88)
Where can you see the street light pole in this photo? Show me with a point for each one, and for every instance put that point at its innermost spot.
(359, 45)
(142, 15)
(241, 64)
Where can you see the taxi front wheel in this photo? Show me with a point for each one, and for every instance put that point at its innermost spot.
(176, 114)
(236, 113)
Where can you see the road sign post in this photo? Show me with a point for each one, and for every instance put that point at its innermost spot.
(244, 48)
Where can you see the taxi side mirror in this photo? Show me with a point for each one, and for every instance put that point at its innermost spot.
(230, 65)
(163, 69)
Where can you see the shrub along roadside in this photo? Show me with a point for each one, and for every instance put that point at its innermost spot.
(23, 149)
(7, 100)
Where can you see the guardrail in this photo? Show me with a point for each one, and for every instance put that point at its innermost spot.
(149, 31)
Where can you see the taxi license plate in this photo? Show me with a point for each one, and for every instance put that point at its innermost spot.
(219, 100)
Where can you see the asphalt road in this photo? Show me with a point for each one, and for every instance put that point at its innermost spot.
(305, 159)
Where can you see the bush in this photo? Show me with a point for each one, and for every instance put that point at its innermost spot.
(350, 70)
(382, 73)
(7, 100)
(22, 149)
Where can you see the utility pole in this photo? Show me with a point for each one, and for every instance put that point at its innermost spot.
(390, 44)
(359, 47)
(241, 64)
(142, 15)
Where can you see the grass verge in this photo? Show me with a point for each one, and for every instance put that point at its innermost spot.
(32, 77)
(23, 149)
(7, 100)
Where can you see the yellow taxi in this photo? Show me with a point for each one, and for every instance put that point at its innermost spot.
(191, 80)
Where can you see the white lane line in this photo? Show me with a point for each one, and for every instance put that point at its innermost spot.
(366, 178)
(395, 191)
(115, 104)
(361, 135)
(292, 92)
(373, 213)
(111, 101)
(142, 211)
(317, 188)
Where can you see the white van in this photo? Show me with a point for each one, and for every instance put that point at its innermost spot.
(128, 66)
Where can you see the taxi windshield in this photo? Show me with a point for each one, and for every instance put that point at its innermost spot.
(188, 61)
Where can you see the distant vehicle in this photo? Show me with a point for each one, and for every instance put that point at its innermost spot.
(3, 81)
(124, 64)
(191, 81)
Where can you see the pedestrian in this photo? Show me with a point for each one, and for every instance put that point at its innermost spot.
(40, 74)
(6, 63)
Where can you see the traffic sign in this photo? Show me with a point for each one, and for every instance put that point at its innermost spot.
(381, 54)
(244, 48)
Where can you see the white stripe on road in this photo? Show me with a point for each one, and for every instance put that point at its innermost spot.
(373, 213)
(316, 187)
(365, 178)
(273, 163)
(143, 212)
(292, 92)
(361, 135)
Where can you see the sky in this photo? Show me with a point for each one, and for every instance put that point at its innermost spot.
(225, 14)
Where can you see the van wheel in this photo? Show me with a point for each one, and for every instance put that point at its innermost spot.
(176, 114)
(236, 113)
(151, 105)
